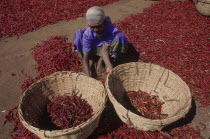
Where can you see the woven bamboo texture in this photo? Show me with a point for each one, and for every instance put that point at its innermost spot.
(203, 7)
(33, 103)
(155, 80)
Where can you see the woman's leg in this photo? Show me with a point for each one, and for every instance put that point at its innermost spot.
(118, 45)
(118, 48)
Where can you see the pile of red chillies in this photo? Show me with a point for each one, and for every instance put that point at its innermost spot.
(19, 131)
(111, 127)
(54, 54)
(69, 111)
(124, 132)
(174, 35)
(22, 16)
(148, 106)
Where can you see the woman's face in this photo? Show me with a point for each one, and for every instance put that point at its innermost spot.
(98, 29)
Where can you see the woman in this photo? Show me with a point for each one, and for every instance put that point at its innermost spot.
(101, 38)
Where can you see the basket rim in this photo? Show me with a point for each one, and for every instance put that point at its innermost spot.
(61, 132)
(203, 1)
(111, 97)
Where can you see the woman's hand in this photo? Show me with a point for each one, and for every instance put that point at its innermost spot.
(108, 70)
(85, 62)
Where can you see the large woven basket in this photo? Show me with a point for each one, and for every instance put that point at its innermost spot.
(155, 80)
(43, 91)
(203, 7)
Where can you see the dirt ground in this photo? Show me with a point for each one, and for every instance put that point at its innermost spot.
(15, 55)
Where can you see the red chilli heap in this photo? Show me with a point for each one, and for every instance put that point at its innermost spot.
(146, 105)
(69, 111)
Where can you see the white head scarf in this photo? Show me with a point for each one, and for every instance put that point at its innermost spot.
(95, 16)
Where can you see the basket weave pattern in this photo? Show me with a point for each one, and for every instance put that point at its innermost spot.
(203, 7)
(34, 100)
(155, 80)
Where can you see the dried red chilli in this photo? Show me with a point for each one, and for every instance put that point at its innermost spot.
(18, 131)
(125, 132)
(69, 111)
(185, 131)
(10, 115)
(147, 105)
(22, 16)
(54, 54)
(110, 126)
(174, 35)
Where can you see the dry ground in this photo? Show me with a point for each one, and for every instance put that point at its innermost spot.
(15, 55)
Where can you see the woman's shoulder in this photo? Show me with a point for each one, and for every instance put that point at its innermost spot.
(89, 35)
(88, 32)
(108, 24)
(111, 28)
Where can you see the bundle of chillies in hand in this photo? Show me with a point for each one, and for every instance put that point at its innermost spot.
(69, 111)
(147, 105)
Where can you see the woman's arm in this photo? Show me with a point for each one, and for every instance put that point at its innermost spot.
(85, 62)
(105, 56)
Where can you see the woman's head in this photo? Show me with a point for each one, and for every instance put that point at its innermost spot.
(95, 18)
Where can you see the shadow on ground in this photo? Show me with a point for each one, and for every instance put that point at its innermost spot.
(186, 120)
(130, 56)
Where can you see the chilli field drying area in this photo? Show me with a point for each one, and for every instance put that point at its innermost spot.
(162, 83)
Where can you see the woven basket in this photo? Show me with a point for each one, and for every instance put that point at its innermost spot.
(203, 7)
(34, 100)
(155, 80)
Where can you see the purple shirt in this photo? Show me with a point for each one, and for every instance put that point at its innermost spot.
(90, 39)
